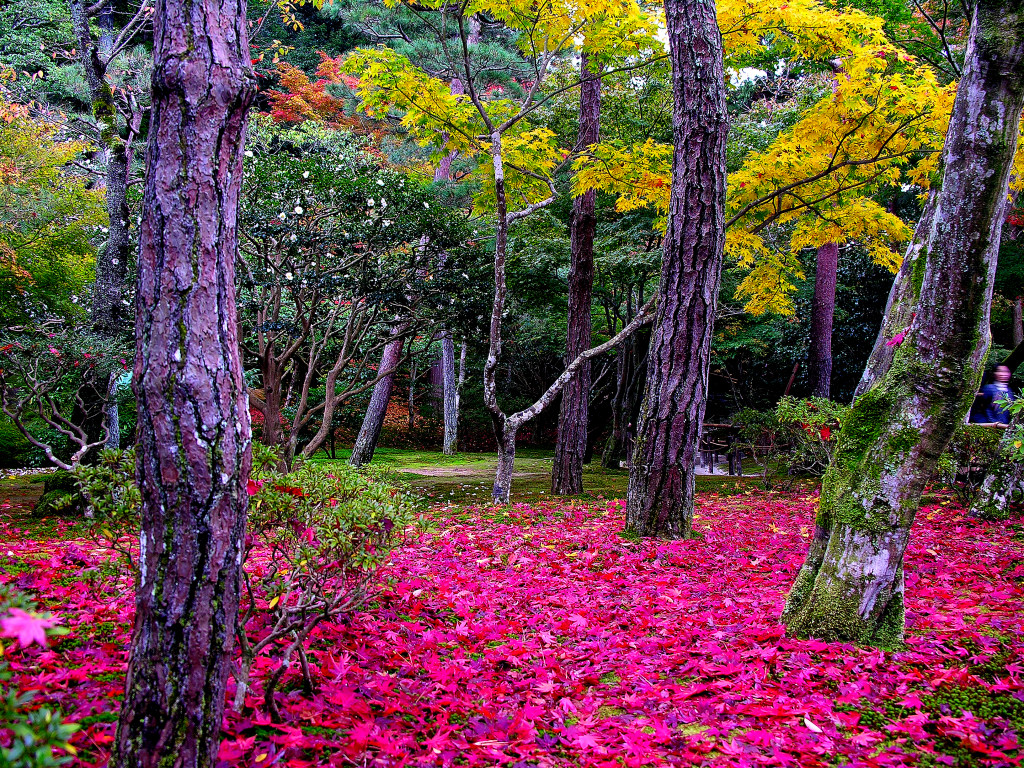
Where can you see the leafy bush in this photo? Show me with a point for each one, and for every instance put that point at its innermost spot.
(113, 500)
(28, 736)
(317, 538)
(797, 438)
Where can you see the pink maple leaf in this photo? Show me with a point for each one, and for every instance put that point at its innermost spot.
(27, 627)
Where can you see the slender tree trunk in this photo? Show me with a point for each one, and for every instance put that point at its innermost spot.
(661, 477)
(272, 434)
(574, 416)
(851, 585)
(451, 395)
(373, 421)
(823, 309)
(1004, 483)
(412, 396)
(506, 434)
(1018, 321)
(194, 433)
(613, 449)
(450, 383)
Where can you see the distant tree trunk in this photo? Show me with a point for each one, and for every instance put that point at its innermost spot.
(1004, 483)
(412, 396)
(450, 382)
(611, 458)
(628, 393)
(194, 434)
(574, 416)
(451, 395)
(823, 309)
(1018, 321)
(376, 410)
(851, 585)
(661, 477)
(108, 314)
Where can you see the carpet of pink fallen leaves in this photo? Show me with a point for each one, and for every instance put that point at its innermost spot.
(541, 637)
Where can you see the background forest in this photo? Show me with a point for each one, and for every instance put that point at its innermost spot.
(314, 145)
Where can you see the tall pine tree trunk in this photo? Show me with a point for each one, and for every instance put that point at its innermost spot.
(376, 410)
(661, 476)
(449, 379)
(851, 585)
(574, 416)
(194, 434)
(823, 310)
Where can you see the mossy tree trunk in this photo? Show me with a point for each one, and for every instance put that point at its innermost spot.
(661, 475)
(574, 416)
(901, 303)
(193, 454)
(851, 585)
(1004, 483)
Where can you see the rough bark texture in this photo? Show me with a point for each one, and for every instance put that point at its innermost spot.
(376, 410)
(194, 433)
(661, 476)
(851, 585)
(574, 416)
(902, 301)
(823, 310)
(1004, 484)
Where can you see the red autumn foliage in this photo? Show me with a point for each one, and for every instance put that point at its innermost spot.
(535, 635)
(301, 99)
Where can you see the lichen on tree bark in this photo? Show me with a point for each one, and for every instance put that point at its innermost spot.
(193, 455)
(851, 586)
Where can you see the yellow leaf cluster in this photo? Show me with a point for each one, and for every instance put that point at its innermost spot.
(793, 29)
(884, 124)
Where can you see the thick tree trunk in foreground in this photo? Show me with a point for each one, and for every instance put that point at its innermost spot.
(1004, 483)
(823, 310)
(574, 416)
(376, 410)
(661, 476)
(851, 585)
(194, 434)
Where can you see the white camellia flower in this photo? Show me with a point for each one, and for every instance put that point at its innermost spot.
(305, 174)
(383, 203)
(298, 209)
(248, 153)
(282, 216)
(380, 182)
(287, 275)
(370, 202)
(426, 205)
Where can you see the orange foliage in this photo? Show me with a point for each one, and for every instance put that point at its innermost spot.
(302, 99)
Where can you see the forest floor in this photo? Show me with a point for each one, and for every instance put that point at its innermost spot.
(536, 634)
(468, 477)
